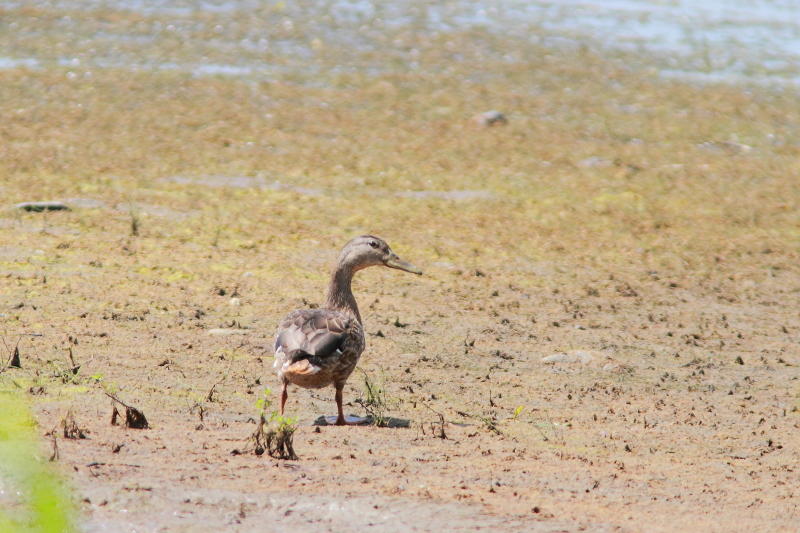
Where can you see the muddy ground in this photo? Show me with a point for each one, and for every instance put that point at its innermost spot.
(605, 337)
(685, 417)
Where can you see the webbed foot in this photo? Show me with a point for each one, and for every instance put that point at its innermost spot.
(349, 420)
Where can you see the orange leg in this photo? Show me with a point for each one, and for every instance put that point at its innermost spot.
(340, 421)
(284, 396)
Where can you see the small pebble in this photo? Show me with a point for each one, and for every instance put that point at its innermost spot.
(490, 118)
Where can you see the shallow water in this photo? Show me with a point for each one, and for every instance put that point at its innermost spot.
(732, 41)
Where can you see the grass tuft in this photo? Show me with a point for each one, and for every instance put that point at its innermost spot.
(375, 401)
(274, 433)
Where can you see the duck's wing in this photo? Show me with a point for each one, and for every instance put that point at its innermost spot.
(316, 332)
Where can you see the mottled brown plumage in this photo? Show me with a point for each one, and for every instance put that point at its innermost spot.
(315, 348)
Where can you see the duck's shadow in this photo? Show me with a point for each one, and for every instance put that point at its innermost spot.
(389, 422)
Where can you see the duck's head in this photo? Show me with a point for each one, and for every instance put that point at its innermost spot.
(368, 250)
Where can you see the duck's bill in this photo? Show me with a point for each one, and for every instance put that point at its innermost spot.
(399, 264)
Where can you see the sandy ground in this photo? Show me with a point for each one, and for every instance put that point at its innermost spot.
(661, 430)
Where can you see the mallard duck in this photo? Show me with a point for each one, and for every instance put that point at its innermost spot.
(315, 348)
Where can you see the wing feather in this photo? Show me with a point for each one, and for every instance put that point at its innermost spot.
(317, 332)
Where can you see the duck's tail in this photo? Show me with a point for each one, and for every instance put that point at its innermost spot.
(300, 363)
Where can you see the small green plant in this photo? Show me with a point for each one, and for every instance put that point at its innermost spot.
(69, 374)
(489, 422)
(264, 403)
(274, 433)
(374, 401)
(217, 234)
(134, 222)
(517, 412)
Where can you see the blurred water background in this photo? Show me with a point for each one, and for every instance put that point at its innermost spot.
(714, 40)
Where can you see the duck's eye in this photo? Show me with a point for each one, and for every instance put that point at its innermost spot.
(373, 244)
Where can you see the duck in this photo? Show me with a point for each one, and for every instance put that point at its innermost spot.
(316, 348)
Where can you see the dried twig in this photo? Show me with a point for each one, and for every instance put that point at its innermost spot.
(13, 355)
(441, 434)
(134, 418)
(70, 427)
(75, 366)
(54, 455)
(210, 395)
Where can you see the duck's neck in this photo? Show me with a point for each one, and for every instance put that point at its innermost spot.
(340, 295)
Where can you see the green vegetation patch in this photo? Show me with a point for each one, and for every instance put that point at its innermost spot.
(41, 504)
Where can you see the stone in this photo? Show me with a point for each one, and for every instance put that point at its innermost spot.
(575, 356)
(38, 207)
(490, 118)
